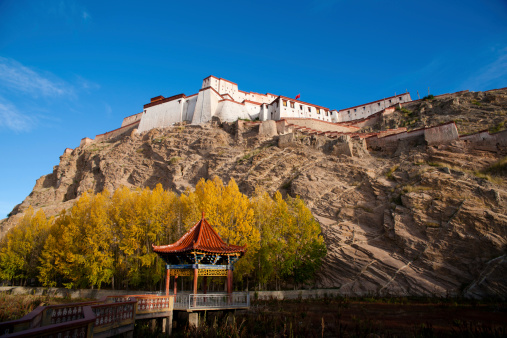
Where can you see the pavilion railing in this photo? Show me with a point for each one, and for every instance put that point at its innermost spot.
(212, 301)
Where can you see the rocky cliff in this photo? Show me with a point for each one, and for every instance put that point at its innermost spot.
(427, 221)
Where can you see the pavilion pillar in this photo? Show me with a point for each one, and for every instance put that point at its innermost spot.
(175, 285)
(229, 285)
(167, 279)
(196, 275)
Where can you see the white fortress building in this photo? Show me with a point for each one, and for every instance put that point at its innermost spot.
(221, 98)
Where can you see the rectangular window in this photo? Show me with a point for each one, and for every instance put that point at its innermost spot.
(400, 98)
(378, 104)
(309, 109)
(285, 103)
(300, 107)
(389, 101)
(292, 104)
(318, 111)
(364, 108)
(327, 113)
(355, 110)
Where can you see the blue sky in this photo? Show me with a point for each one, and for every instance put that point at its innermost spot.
(74, 69)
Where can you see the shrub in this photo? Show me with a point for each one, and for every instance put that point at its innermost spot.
(174, 160)
(389, 173)
(497, 128)
(428, 98)
(498, 168)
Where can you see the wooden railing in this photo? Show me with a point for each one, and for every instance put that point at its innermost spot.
(108, 316)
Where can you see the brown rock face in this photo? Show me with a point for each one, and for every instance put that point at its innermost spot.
(393, 225)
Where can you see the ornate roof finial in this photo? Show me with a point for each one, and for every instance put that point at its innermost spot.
(203, 215)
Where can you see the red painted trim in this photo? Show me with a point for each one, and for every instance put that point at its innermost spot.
(132, 115)
(211, 76)
(240, 103)
(290, 99)
(366, 104)
(128, 125)
(492, 90)
(205, 88)
(253, 102)
(172, 98)
(156, 98)
(228, 81)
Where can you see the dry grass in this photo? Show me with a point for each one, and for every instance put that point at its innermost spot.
(14, 307)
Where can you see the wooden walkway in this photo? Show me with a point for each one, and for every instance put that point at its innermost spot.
(115, 314)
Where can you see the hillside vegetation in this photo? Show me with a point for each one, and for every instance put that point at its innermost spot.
(430, 220)
(105, 239)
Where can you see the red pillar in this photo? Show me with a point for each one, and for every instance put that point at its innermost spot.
(196, 274)
(175, 285)
(229, 285)
(167, 279)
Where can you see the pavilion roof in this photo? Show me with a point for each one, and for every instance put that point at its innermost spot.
(201, 237)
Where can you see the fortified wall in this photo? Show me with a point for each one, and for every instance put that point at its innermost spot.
(221, 100)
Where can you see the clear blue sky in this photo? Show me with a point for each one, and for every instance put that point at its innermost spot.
(74, 69)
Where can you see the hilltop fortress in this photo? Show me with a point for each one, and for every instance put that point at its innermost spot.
(220, 101)
(221, 98)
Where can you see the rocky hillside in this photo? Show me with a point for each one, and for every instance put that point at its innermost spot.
(430, 221)
(471, 111)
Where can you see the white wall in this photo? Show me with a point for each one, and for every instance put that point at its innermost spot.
(229, 111)
(298, 109)
(367, 109)
(162, 115)
(131, 119)
(205, 106)
(188, 110)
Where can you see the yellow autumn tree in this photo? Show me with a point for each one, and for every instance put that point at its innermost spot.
(21, 248)
(229, 212)
(79, 246)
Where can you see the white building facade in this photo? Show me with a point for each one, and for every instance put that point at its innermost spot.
(222, 98)
(367, 109)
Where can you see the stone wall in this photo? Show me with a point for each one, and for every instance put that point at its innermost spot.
(441, 134)
(117, 132)
(131, 119)
(85, 141)
(320, 125)
(483, 140)
(262, 295)
(434, 135)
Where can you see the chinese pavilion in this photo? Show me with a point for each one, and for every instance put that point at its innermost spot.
(200, 252)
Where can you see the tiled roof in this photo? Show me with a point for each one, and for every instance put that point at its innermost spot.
(201, 237)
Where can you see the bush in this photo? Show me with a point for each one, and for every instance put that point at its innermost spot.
(428, 98)
(497, 128)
